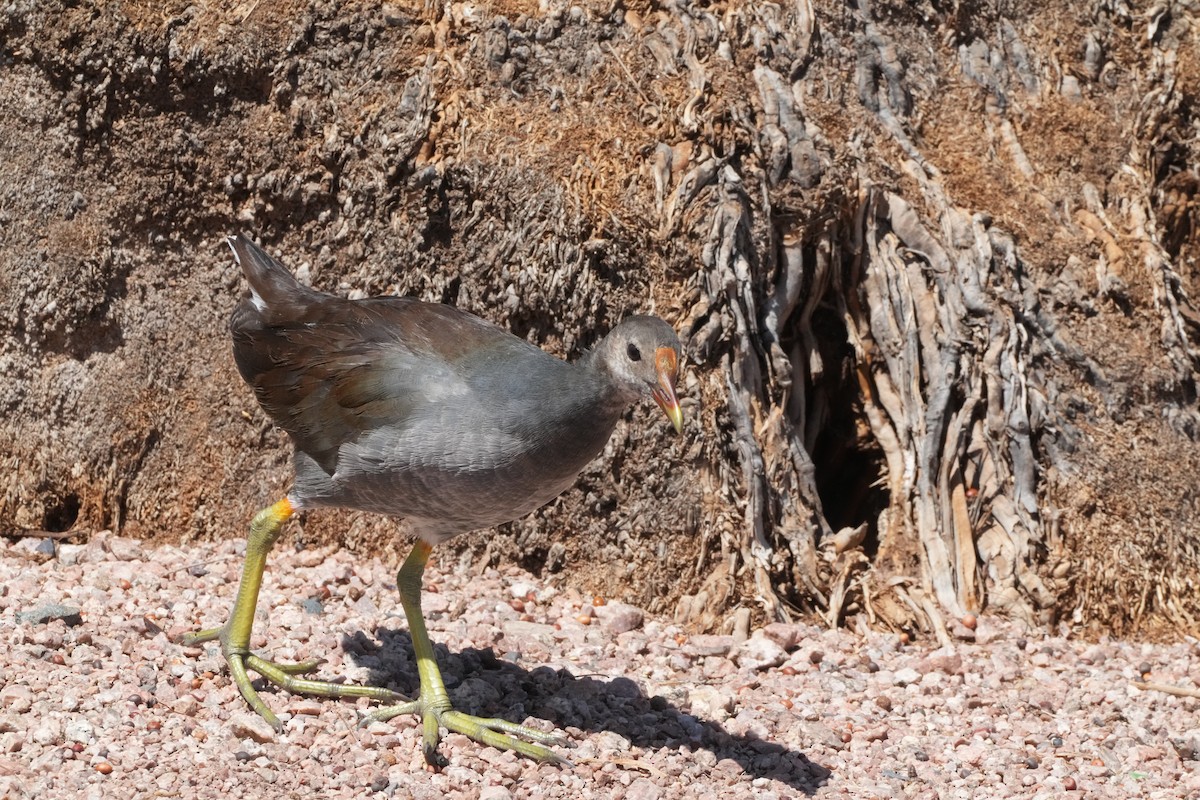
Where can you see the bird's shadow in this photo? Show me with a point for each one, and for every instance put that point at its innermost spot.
(485, 685)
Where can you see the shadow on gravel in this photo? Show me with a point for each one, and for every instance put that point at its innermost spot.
(484, 684)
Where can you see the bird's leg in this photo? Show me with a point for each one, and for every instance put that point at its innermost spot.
(434, 702)
(234, 635)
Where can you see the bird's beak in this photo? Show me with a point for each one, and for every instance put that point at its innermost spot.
(666, 364)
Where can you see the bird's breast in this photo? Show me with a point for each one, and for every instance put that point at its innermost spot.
(475, 475)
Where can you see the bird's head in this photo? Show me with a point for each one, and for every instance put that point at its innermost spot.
(643, 354)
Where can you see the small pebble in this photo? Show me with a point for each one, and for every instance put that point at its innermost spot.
(48, 612)
(786, 635)
(520, 590)
(759, 653)
(619, 617)
(312, 605)
(125, 549)
(70, 554)
(251, 726)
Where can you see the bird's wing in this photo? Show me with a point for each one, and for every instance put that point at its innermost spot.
(336, 369)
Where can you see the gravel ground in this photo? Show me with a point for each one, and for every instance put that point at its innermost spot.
(100, 701)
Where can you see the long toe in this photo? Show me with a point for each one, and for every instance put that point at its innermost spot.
(492, 731)
(504, 735)
(283, 676)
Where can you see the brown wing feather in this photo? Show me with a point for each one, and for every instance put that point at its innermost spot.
(327, 369)
(335, 368)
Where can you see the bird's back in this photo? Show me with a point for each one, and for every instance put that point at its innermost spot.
(413, 409)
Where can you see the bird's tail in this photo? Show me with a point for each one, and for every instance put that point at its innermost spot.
(272, 286)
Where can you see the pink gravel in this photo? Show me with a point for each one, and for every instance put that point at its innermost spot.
(114, 707)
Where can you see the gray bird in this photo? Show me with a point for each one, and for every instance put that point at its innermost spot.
(420, 410)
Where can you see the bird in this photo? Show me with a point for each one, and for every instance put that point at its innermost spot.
(426, 412)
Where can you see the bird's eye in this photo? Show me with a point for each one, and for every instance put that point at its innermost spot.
(633, 352)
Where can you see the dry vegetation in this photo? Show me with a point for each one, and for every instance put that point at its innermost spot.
(932, 262)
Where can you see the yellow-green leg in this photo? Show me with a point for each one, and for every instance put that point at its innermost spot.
(235, 634)
(434, 703)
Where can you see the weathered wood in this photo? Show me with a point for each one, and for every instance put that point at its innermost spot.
(933, 264)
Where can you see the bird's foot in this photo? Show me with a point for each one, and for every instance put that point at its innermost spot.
(498, 733)
(241, 662)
